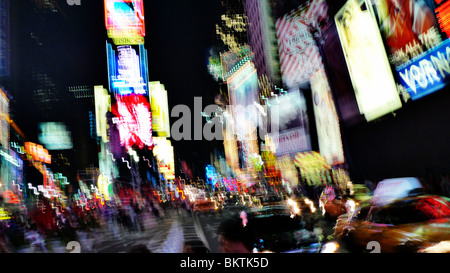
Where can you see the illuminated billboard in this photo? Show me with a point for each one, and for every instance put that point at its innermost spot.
(127, 69)
(102, 106)
(327, 121)
(234, 59)
(365, 55)
(55, 136)
(163, 151)
(299, 54)
(160, 109)
(37, 152)
(124, 21)
(293, 128)
(415, 33)
(133, 120)
(243, 91)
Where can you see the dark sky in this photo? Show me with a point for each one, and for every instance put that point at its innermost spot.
(179, 34)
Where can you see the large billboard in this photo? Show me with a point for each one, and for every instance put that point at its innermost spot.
(415, 33)
(102, 106)
(293, 128)
(160, 109)
(124, 21)
(127, 69)
(243, 92)
(133, 120)
(163, 152)
(370, 72)
(327, 121)
(55, 136)
(299, 54)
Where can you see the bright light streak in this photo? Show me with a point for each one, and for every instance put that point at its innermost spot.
(112, 156)
(128, 163)
(294, 206)
(148, 162)
(182, 193)
(441, 247)
(351, 206)
(311, 205)
(330, 247)
(322, 207)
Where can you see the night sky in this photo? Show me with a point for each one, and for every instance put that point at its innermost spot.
(179, 34)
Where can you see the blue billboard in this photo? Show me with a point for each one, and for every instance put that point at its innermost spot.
(427, 72)
(127, 69)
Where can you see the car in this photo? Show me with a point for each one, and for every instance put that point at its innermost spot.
(205, 206)
(273, 229)
(410, 224)
(391, 189)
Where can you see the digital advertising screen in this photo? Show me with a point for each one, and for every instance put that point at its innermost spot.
(371, 75)
(55, 136)
(124, 21)
(416, 37)
(127, 69)
(134, 122)
(293, 128)
(243, 92)
(160, 109)
(102, 106)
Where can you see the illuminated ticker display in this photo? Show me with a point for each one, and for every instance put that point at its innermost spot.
(124, 21)
(127, 69)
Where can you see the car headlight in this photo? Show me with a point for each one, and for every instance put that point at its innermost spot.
(330, 247)
(441, 247)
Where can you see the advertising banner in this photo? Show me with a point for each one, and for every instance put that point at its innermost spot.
(327, 122)
(417, 45)
(160, 109)
(55, 136)
(124, 21)
(133, 120)
(299, 54)
(293, 135)
(163, 151)
(102, 106)
(369, 69)
(243, 92)
(128, 69)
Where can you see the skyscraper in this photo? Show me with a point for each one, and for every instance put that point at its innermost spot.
(262, 39)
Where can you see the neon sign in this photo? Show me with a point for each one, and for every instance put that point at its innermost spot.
(37, 152)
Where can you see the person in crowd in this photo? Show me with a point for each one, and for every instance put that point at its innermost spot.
(235, 236)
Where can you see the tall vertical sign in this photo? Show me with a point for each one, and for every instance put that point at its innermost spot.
(128, 72)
